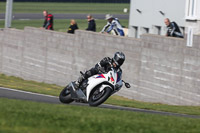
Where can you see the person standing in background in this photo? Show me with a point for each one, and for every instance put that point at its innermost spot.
(91, 23)
(73, 26)
(48, 22)
(113, 24)
(172, 29)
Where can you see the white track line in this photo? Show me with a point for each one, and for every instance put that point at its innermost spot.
(27, 92)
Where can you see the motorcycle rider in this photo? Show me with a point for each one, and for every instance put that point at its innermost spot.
(103, 66)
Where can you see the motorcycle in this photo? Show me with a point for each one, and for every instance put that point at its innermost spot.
(94, 90)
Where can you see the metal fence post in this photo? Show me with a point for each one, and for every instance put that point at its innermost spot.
(8, 15)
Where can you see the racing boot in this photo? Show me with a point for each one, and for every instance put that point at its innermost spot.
(78, 82)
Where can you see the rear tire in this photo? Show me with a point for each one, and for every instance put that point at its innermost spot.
(97, 98)
(65, 96)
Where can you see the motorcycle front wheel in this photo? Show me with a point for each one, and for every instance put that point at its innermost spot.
(97, 97)
(65, 96)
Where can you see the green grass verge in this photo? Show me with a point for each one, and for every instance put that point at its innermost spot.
(59, 24)
(18, 116)
(56, 7)
(18, 83)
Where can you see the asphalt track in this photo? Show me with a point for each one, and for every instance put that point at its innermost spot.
(29, 16)
(24, 95)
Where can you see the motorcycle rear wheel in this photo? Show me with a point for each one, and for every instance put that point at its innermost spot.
(65, 96)
(97, 98)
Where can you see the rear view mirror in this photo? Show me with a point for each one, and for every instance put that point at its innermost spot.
(127, 85)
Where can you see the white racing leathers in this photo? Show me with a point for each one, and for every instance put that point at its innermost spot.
(114, 26)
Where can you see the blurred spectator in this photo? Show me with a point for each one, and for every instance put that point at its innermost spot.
(113, 24)
(91, 23)
(48, 23)
(73, 26)
(173, 29)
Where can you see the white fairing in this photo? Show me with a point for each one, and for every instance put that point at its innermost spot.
(111, 77)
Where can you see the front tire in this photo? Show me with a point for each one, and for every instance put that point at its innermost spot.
(65, 96)
(97, 98)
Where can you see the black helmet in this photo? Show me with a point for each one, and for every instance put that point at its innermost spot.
(119, 58)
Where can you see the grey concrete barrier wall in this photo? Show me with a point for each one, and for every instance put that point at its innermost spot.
(160, 69)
